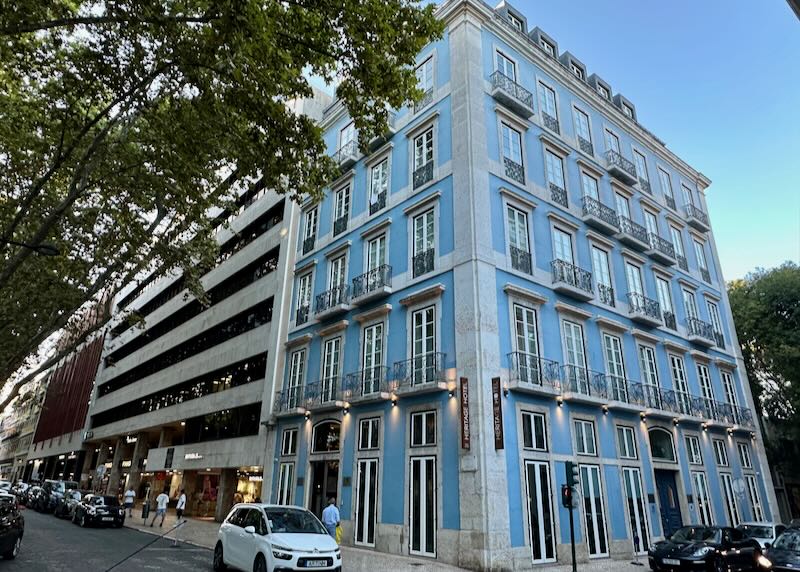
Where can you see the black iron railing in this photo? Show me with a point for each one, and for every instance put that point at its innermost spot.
(420, 370)
(577, 379)
(427, 97)
(514, 170)
(423, 174)
(640, 304)
(634, 229)
(558, 195)
(682, 263)
(330, 298)
(301, 316)
(289, 399)
(663, 246)
(372, 280)
(520, 260)
(670, 201)
(550, 122)
(606, 294)
(698, 327)
(593, 207)
(585, 146)
(694, 212)
(530, 368)
(377, 202)
(323, 392)
(565, 272)
(422, 263)
(669, 321)
(616, 160)
(502, 81)
(706, 275)
(719, 339)
(644, 184)
(308, 244)
(366, 382)
(340, 225)
(347, 151)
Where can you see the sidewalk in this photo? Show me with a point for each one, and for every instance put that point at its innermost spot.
(203, 533)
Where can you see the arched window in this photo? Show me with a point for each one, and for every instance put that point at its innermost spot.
(661, 446)
(325, 438)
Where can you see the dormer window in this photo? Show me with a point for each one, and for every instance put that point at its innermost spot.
(548, 47)
(627, 110)
(604, 93)
(515, 22)
(577, 70)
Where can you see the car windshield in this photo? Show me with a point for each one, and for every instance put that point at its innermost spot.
(293, 520)
(110, 501)
(70, 485)
(755, 531)
(697, 534)
(789, 540)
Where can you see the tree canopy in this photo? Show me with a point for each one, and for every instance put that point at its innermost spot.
(125, 123)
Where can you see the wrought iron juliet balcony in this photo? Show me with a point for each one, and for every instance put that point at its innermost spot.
(572, 280)
(606, 294)
(632, 233)
(585, 146)
(599, 216)
(558, 195)
(368, 384)
(531, 372)
(682, 263)
(372, 284)
(643, 309)
(301, 316)
(660, 249)
(340, 225)
(670, 322)
(579, 383)
(347, 155)
(670, 201)
(377, 202)
(521, 260)
(427, 97)
(514, 170)
(719, 339)
(644, 184)
(423, 174)
(700, 332)
(550, 122)
(620, 167)
(697, 218)
(421, 373)
(422, 263)
(308, 244)
(323, 394)
(289, 401)
(705, 275)
(332, 301)
(511, 94)
(376, 141)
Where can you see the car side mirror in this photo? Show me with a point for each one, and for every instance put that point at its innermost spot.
(250, 529)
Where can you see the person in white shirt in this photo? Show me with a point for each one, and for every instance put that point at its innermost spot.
(162, 501)
(130, 498)
(181, 506)
(330, 517)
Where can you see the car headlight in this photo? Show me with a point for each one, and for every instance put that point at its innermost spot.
(281, 552)
(121, 512)
(338, 553)
(764, 562)
(702, 551)
(90, 510)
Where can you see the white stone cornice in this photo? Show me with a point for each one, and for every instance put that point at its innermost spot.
(646, 336)
(433, 291)
(298, 341)
(563, 308)
(609, 324)
(520, 292)
(515, 196)
(373, 313)
(333, 328)
(675, 347)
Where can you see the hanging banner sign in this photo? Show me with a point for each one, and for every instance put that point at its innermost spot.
(497, 412)
(465, 432)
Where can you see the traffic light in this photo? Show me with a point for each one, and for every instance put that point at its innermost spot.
(566, 496)
(572, 473)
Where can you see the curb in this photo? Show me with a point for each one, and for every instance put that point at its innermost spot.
(154, 533)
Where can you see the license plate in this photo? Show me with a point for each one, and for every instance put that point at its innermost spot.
(316, 563)
(671, 562)
(108, 518)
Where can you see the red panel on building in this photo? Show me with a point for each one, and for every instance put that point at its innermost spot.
(68, 392)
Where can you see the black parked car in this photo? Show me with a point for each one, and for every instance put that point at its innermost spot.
(784, 555)
(99, 510)
(53, 491)
(32, 495)
(705, 548)
(12, 527)
(65, 506)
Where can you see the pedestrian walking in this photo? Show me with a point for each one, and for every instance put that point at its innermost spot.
(330, 517)
(162, 501)
(130, 499)
(179, 508)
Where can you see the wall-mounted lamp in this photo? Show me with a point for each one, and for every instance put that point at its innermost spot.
(394, 402)
(559, 401)
(505, 391)
(752, 434)
(451, 393)
(705, 426)
(730, 431)
(676, 421)
(642, 416)
(605, 409)
(308, 415)
(346, 409)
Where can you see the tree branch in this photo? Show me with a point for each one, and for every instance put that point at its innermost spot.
(28, 27)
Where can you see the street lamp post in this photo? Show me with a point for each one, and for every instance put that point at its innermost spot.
(42, 249)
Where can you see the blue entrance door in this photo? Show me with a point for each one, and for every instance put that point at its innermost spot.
(671, 519)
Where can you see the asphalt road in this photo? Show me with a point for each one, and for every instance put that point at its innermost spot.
(58, 545)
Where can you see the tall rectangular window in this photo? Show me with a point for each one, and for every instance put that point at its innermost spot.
(288, 442)
(753, 496)
(647, 364)
(727, 385)
(651, 222)
(534, 431)
(679, 382)
(615, 368)
(512, 144)
(584, 438)
(372, 360)
(517, 229)
(304, 292)
(700, 253)
(424, 73)
(341, 204)
(637, 506)
(634, 275)
(693, 450)
(612, 142)
(641, 166)
(505, 66)
(310, 229)
(423, 149)
(666, 185)
(704, 377)
(423, 345)
(369, 433)
(424, 243)
(687, 195)
(575, 357)
(677, 241)
(623, 207)
(582, 127)
(330, 369)
(347, 134)
(296, 377)
(589, 186)
(689, 304)
(702, 498)
(562, 245)
(593, 510)
(525, 330)
(720, 452)
(744, 455)
(337, 276)
(285, 483)
(713, 313)
(665, 300)
(379, 183)
(626, 439)
(554, 169)
(731, 506)
(423, 429)
(602, 275)
(547, 100)
(541, 523)
(376, 252)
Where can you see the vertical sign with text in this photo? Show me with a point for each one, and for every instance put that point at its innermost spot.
(465, 433)
(497, 413)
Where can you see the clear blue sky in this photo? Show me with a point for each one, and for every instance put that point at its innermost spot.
(719, 82)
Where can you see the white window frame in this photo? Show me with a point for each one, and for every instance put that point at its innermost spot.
(702, 497)
(639, 157)
(693, 450)
(666, 190)
(382, 184)
(285, 483)
(577, 71)
(720, 453)
(427, 137)
(341, 203)
(585, 443)
(501, 57)
(542, 90)
(424, 416)
(515, 154)
(426, 75)
(751, 485)
(535, 434)
(289, 442)
(744, 455)
(626, 442)
(372, 427)
(577, 112)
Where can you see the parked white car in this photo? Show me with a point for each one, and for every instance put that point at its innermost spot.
(764, 533)
(274, 538)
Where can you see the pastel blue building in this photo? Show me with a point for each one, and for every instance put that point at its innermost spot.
(517, 275)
